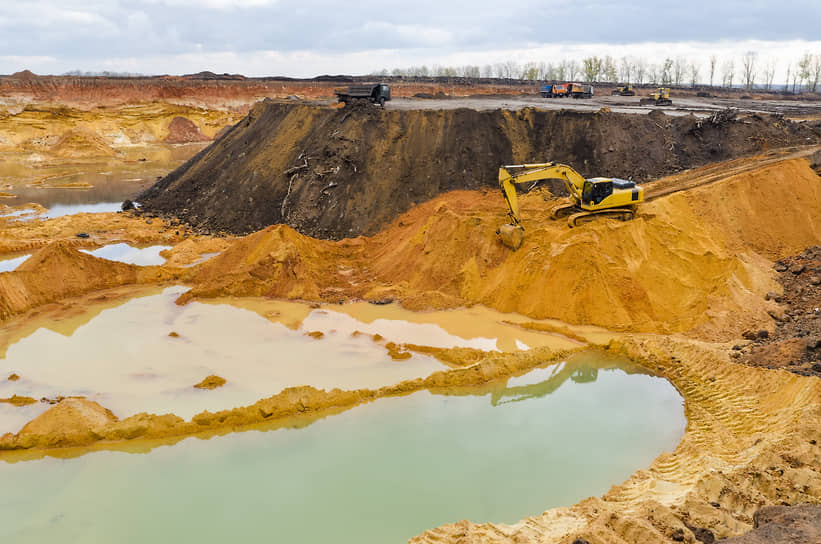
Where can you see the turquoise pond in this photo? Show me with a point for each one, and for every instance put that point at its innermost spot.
(380, 472)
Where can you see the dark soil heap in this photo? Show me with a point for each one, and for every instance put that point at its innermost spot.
(334, 173)
(795, 345)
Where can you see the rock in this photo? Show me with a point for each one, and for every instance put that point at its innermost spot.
(816, 367)
(749, 335)
(773, 296)
(702, 535)
(814, 342)
(780, 267)
(776, 313)
(798, 524)
(127, 205)
(211, 382)
(580, 541)
(737, 347)
(797, 268)
(82, 235)
(763, 334)
(815, 280)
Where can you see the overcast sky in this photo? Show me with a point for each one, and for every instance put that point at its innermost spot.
(312, 37)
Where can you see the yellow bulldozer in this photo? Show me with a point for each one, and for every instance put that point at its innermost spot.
(590, 199)
(659, 98)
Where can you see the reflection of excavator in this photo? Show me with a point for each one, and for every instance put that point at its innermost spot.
(590, 198)
(660, 98)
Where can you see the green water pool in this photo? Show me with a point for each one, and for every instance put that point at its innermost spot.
(381, 472)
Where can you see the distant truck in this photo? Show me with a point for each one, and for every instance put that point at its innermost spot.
(560, 90)
(577, 90)
(375, 93)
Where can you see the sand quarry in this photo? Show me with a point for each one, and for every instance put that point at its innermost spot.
(302, 206)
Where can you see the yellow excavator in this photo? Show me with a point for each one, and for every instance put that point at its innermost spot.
(589, 198)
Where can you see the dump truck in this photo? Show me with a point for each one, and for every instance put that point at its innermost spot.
(375, 93)
(560, 90)
(577, 90)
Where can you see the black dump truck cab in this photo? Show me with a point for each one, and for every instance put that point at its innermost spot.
(375, 93)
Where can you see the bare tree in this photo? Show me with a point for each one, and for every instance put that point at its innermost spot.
(804, 67)
(728, 71)
(816, 72)
(667, 72)
(655, 74)
(561, 71)
(748, 68)
(769, 73)
(609, 70)
(679, 66)
(713, 60)
(787, 81)
(625, 69)
(641, 70)
(573, 69)
(694, 69)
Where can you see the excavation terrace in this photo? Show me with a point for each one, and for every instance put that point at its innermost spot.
(322, 288)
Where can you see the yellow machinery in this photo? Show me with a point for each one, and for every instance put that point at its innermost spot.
(660, 98)
(590, 198)
(624, 91)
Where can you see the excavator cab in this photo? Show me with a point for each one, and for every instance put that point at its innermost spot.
(596, 189)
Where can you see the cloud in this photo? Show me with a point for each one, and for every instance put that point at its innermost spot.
(363, 36)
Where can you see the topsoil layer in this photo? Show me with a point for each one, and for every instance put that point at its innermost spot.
(334, 173)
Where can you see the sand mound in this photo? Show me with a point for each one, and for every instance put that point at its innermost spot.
(334, 173)
(697, 261)
(183, 131)
(80, 143)
(59, 271)
(72, 421)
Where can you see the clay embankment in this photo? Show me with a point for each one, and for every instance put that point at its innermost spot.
(60, 131)
(698, 261)
(335, 173)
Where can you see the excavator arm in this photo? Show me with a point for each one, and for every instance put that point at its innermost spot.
(512, 175)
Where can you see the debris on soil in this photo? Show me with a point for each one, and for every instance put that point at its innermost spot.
(315, 334)
(13, 377)
(174, 334)
(334, 173)
(211, 382)
(797, 524)
(795, 342)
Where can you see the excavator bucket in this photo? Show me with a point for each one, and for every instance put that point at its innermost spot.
(511, 235)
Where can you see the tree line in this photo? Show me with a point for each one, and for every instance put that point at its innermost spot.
(750, 71)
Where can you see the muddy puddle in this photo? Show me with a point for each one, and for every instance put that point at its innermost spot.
(381, 472)
(147, 353)
(125, 253)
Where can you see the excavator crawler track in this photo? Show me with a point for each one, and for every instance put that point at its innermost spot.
(586, 217)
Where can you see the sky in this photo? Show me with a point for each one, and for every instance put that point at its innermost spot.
(314, 37)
